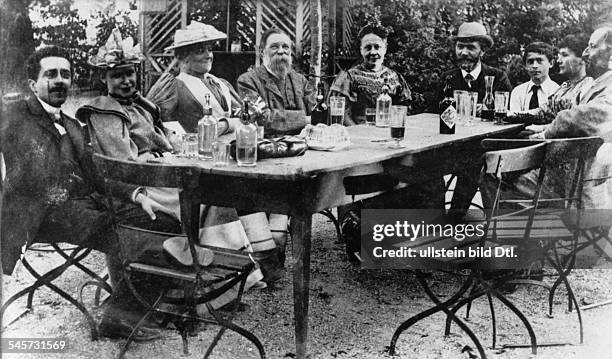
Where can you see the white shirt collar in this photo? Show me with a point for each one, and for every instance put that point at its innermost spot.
(475, 72)
(548, 86)
(53, 111)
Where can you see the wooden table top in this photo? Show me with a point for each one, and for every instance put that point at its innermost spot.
(422, 134)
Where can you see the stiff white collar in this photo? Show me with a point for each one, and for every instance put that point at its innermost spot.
(475, 72)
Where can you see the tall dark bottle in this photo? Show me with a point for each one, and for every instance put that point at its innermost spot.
(320, 109)
(448, 113)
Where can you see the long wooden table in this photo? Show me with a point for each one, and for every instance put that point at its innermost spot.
(303, 186)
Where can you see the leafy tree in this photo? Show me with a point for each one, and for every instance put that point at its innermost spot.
(16, 43)
(63, 26)
(420, 48)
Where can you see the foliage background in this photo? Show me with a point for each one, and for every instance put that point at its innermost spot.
(420, 49)
(419, 45)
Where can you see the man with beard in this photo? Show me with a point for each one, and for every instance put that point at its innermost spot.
(592, 117)
(534, 93)
(52, 191)
(288, 95)
(362, 84)
(471, 43)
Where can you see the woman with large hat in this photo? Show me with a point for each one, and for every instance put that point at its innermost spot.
(125, 125)
(182, 98)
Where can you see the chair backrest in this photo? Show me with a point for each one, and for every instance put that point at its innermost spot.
(145, 174)
(507, 159)
(185, 178)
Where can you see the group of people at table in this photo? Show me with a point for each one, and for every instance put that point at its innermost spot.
(52, 192)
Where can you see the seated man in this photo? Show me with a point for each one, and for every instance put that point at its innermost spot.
(593, 117)
(182, 98)
(534, 93)
(288, 95)
(362, 84)
(569, 94)
(52, 193)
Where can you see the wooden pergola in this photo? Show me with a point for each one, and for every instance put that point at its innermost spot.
(159, 19)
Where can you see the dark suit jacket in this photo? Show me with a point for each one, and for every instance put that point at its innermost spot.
(455, 81)
(288, 105)
(45, 172)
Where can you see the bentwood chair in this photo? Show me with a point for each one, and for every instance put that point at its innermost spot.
(72, 255)
(483, 276)
(189, 288)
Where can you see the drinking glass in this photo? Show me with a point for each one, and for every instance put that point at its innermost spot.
(473, 104)
(397, 124)
(221, 152)
(336, 109)
(370, 114)
(190, 144)
(460, 101)
(501, 106)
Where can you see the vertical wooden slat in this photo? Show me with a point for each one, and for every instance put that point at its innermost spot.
(299, 26)
(316, 34)
(183, 13)
(331, 23)
(227, 28)
(258, 31)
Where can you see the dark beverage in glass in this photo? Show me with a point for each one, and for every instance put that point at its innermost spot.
(337, 119)
(320, 109)
(398, 132)
(487, 115)
(500, 118)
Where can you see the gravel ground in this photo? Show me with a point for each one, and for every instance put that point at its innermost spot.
(353, 314)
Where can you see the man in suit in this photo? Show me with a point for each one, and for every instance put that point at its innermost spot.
(471, 43)
(288, 95)
(51, 189)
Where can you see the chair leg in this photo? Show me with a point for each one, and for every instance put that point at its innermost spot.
(329, 214)
(493, 323)
(440, 306)
(572, 297)
(138, 325)
(521, 316)
(235, 328)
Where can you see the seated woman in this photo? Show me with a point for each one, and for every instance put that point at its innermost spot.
(125, 125)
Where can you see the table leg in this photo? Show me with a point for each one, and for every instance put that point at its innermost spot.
(301, 227)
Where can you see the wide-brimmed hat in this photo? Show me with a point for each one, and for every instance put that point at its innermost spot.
(195, 33)
(116, 52)
(473, 30)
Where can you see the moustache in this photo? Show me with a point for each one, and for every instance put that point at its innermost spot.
(58, 89)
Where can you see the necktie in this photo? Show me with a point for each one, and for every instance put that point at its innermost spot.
(469, 78)
(215, 89)
(534, 103)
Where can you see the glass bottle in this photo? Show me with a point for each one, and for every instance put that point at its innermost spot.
(448, 113)
(383, 107)
(246, 139)
(320, 109)
(488, 103)
(207, 131)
